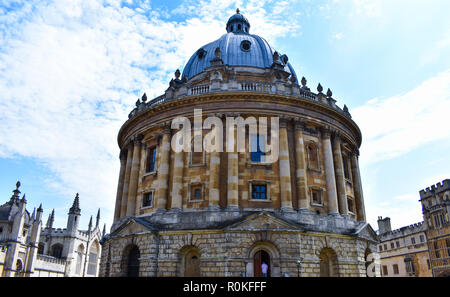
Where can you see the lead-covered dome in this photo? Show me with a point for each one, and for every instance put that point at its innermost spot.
(237, 48)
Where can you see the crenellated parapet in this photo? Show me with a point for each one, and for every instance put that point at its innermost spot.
(435, 189)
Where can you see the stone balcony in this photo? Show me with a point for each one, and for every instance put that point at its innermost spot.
(180, 90)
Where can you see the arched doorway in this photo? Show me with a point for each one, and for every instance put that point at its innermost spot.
(192, 264)
(133, 262)
(328, 263)
(261, 257)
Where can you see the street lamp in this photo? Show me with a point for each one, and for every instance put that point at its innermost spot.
(244, 274)
(299, 265)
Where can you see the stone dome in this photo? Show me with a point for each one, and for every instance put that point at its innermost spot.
(237, 48)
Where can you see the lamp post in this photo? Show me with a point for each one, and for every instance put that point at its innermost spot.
(299, 265)
(244, 274)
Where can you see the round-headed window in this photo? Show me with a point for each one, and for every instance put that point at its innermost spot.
(246, 45)
(201, 53)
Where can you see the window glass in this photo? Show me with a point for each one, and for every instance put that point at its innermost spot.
(151, 160)
(257, 143)
(259, 191)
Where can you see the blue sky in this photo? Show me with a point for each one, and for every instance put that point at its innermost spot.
(70, 72)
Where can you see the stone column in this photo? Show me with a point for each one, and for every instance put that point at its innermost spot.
(300, 162)
(123, 164)
(177, 181)
(285, 171)
(329, 172)
(233, 174)
(357, 188)
(214, 178)
(340, 176)
(126, 181)
(134, 176)
(163, 171)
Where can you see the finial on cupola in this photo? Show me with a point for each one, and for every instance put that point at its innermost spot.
(237, 10)
(320, 88)
(329, 93)
(303, 81)
(144, 98)
(177, 74)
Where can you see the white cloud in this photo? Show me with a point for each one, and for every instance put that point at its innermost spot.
(70, 72)
(399, 124)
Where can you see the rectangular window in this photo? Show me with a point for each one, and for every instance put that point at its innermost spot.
(422, 239)
(151, 160)
(316, 197)
(397, 243)
(436, 250)
(257, 142)
(413, 240)
(392, 245)
(196, 193)
(147, 199)
(351, 207)
(380, 248)
(346, 168)
(259, 191)
(385, 270)
(385, 246)
(395, 267)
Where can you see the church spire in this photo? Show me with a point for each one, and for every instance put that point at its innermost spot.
(75, 209)
(98, 218)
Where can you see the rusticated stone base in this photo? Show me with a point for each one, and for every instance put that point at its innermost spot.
(230, 250)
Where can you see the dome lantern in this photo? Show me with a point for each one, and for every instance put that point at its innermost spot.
(238, 23)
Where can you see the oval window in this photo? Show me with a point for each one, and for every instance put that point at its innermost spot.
(245, 45)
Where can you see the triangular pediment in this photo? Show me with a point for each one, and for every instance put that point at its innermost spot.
(132, 226)
(367, 232)
(262, 221)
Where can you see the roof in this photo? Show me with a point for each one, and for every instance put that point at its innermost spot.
(237, 48)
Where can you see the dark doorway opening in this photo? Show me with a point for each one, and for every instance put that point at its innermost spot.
(133, 262)
(258, 260)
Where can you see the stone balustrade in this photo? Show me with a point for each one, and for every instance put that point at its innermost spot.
(238, 86)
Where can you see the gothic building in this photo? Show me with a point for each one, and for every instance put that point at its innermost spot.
(436, 215)
(223, 212)
(28, 249)
(404, 251)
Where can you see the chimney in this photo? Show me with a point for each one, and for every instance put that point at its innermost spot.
(384, 225)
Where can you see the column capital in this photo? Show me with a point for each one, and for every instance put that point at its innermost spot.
(326, 131)
(166, 128)
(137, 139)
(355, 152)
(283, 121)
(336, 133)
(299, 124)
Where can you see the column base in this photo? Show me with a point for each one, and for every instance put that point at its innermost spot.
(175, 210)
(232, 208)
(213, 207)
(287, 209)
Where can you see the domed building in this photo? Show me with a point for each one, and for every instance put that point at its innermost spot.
(299, 209)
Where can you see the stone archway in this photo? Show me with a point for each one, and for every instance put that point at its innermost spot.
(190, 261)
(367, 261)
(131, 261)
(328, 263)
(263, 251)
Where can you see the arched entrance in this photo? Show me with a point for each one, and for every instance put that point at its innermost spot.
(328, 263)
(261, 257)
(132, 269)
(192, 264)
